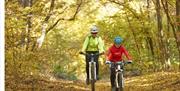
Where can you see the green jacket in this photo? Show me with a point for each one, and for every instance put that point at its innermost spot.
(93, 44)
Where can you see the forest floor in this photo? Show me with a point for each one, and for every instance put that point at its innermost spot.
(160, 81)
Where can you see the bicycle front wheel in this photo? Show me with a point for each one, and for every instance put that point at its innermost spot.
(120, 82)
(93, 77)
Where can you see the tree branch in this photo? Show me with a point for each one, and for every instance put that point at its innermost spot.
(124, 5)
(44, 25)
(54, 24)
(50, 10)
(72, 18)
(77, 10)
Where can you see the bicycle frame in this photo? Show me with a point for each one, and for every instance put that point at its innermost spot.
(92, 69)
(118, 71)
(92, 63)
(119, 79)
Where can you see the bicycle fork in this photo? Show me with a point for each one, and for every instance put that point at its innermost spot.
(118, 72)
(90, 66)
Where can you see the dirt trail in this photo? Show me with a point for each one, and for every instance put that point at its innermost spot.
(162, 81)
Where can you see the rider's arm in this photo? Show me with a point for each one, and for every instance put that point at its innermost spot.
(126, 53)
(101, 45)
(108, 55)
(85, 44)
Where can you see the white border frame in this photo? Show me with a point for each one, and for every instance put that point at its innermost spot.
(2, 86)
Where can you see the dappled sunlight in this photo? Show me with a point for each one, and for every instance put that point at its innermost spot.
(107, 10)
(43, 39)
(155, 80)
(131, 80)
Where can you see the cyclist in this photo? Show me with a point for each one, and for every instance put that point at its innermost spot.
(114, 54)
(92, 44)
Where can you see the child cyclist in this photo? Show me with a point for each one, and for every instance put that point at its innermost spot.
(114, 54)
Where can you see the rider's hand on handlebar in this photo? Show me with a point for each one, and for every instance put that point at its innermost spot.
(102, 53)
(107, 62)
(129, 61)
(81, 52)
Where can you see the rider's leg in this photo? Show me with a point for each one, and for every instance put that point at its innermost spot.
(87, 68)
(97, 67)
(112, 75)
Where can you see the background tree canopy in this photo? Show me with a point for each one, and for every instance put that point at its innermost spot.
(43, 37)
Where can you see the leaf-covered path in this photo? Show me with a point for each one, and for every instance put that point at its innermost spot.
(161, 81)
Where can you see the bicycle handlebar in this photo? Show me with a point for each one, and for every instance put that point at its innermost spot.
(82, 53)
(122, 62)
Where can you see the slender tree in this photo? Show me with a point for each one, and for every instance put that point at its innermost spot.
(45, 25)
(149, 39)
(160, 33)
(134, 35)
(178, 14)
(178, 26)
(175, 29)
(25, 34)
(29, 25)
(167, 41)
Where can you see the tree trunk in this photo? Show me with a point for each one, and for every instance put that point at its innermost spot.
(29, 25)
(176, 33)
(26, 34)
(178, 27)
(167, 41)
(23, 3)
(149, 39)
(134, 35)
(160, 33)
(44, 25)
(178, 14)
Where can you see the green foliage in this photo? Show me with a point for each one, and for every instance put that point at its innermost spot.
(61, 72)
(59, 52)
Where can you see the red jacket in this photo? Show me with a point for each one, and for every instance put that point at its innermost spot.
(115, 54)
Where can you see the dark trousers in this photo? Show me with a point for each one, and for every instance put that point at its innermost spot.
(88, 59)
(112, 75)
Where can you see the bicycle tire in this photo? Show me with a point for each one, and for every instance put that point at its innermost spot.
(121, 82)
(93, 78)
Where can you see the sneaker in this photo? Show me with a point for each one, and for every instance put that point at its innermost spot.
(87, 81)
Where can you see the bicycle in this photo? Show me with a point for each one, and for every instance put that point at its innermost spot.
(92, 69)
(119, 78)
